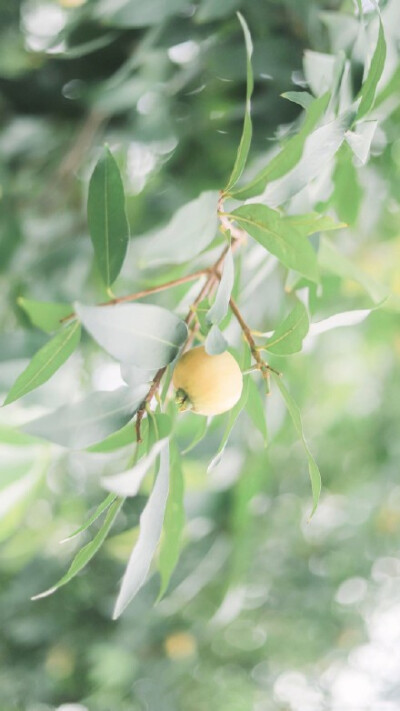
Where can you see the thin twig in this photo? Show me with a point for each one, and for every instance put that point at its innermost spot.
(261, 364)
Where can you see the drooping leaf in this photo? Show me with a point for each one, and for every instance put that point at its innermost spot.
(294, 412)
(202, 424)
(108, 225)
(215, 342)
(103, 506)
(245, 141)
(279, 237)
(290, 154)
(288, 336)
(122, 438)
(368, 89)
(86, 553)
(46, 362)
(332, 261)
(190, 230)
(219, 308)
(45, 315)
(128, 483)
(360, 140)
(255, 407)
(151, 523)
(174, 521)
(143, 335)
(89, 421)
(302, 98)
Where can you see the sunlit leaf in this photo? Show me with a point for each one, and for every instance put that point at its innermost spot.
(368, 89)
(151, 523)
(46, 362)
(89, 421)
(245, 141)
(288, 337)
(360, 140)
(294, 413)
(107, 220)
(279, 237)
(128, 483)
(143, 335)
(190, 230)
(45, 315)
(86, 553)
(220, 305)
(174, 521)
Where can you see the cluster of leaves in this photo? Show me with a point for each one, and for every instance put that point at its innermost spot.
(279, 207)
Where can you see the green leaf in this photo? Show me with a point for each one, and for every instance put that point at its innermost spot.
(122, 438)
(46, 362)
(347, 202)
(174, 522)
(312, 222)
(136, 13)
(128, 483)
(294, 413)
(86, 553)
(245, 141)
(15, 438)
(255, 407)
(233, 414)
(202, 424)
(279, 237)
(103, 506)
(190, 230)
(219, 308)
(215, 342)
(45, 315)
(288, 337)
(368, 89)
(89, 421)
(144, 335)
(302, 98)
(361, 139)
(290, 154)
(211, 10)
(108, 225)
(151, 523)
(332, 261)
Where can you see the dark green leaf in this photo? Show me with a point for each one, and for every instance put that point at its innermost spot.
(279, 237)
(368, 89)
(87, 552)
(141, 334)
(174, 521)
(151, 523)
(288, 337)
(294, 413)
(46, 362)
(245, 141)
(46, 316)
(89, 421)
(107, 221)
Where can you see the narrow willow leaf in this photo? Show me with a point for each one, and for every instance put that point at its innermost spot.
(15, 438)
(290, 154)
(108, 225)
(190, 230)
(302, 98)
(312, 222)
(174, 522)
(89, 421)
(46, 362)
(288, 337)
(368, 89)
(103, 506)
(245, 141)
(122, 438)
(255, 407)
(294, 413)
(361, 139)
(332, 261)
(86, 553)
(45, 315)
(219, 309)
(285, 241)
(143, 335)
(202, 427)
(151, 523)
(131, 13)
(233, 414)
(215, 342)
(128, 482)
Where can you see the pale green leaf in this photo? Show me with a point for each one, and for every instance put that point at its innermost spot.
(245, 141)
(220, 306)
(108, 225)
(174, 521)
(215, 342)
(103, 506)
(288, 337)
(255, 407)
(368, 89)
(128, 483)
(333, 262)
(45, 315)
(46, 362)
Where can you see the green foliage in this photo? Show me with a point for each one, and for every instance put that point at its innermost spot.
(288, 336)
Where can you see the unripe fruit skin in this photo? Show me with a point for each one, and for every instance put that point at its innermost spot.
(212, 383)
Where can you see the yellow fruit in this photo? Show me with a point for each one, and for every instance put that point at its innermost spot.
(207, 384)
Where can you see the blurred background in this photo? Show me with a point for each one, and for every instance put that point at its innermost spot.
(266, 610)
